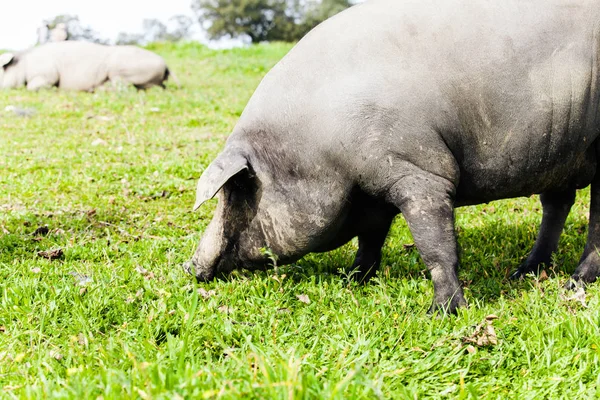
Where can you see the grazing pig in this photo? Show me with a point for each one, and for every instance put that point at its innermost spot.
(412, 107)
(81, 66)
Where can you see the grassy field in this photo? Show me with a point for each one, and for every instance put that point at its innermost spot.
(96, 192)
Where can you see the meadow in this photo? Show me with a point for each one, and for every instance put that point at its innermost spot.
(96, 196)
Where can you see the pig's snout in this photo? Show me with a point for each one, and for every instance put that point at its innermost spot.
(187, 267)
(202, 274)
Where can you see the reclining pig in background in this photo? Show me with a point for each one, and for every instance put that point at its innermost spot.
(81, 66)
(412, 107)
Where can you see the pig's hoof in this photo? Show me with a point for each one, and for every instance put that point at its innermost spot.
(526, 269)
(575, 282)
(449, 306)
(363, 278)
(517, 275)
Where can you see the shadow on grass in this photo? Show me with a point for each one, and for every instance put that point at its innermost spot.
(488, 253)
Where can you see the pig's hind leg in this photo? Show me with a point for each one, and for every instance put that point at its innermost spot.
(556, 207)
(589, 265)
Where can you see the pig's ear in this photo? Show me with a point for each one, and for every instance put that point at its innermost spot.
(224, 167)
(6, 59)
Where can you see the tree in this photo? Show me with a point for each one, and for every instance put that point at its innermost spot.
(264, 20)
(254, 18)
(178, 27)
(324, 10)
(154, 30)
(125, 38)
(75, 30)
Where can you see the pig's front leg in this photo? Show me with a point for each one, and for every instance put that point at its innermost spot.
(368, 256)
(426, 202)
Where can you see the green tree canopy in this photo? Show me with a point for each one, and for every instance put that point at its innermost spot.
(264, 20)
(178, 27)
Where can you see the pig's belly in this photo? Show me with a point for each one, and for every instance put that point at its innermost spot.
(494, 179)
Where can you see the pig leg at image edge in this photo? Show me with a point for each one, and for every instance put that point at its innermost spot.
(589, 265)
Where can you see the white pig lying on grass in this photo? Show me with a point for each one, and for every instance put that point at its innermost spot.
(82, 66)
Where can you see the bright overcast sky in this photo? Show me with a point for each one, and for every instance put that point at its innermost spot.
(19, 19)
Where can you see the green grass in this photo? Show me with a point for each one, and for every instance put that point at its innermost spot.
(112, 176)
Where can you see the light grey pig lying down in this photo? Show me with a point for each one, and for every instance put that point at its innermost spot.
(412, 107)
(81, 66)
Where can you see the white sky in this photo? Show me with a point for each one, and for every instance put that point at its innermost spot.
(19, 19)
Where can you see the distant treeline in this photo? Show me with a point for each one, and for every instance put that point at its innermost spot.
(253, 20)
